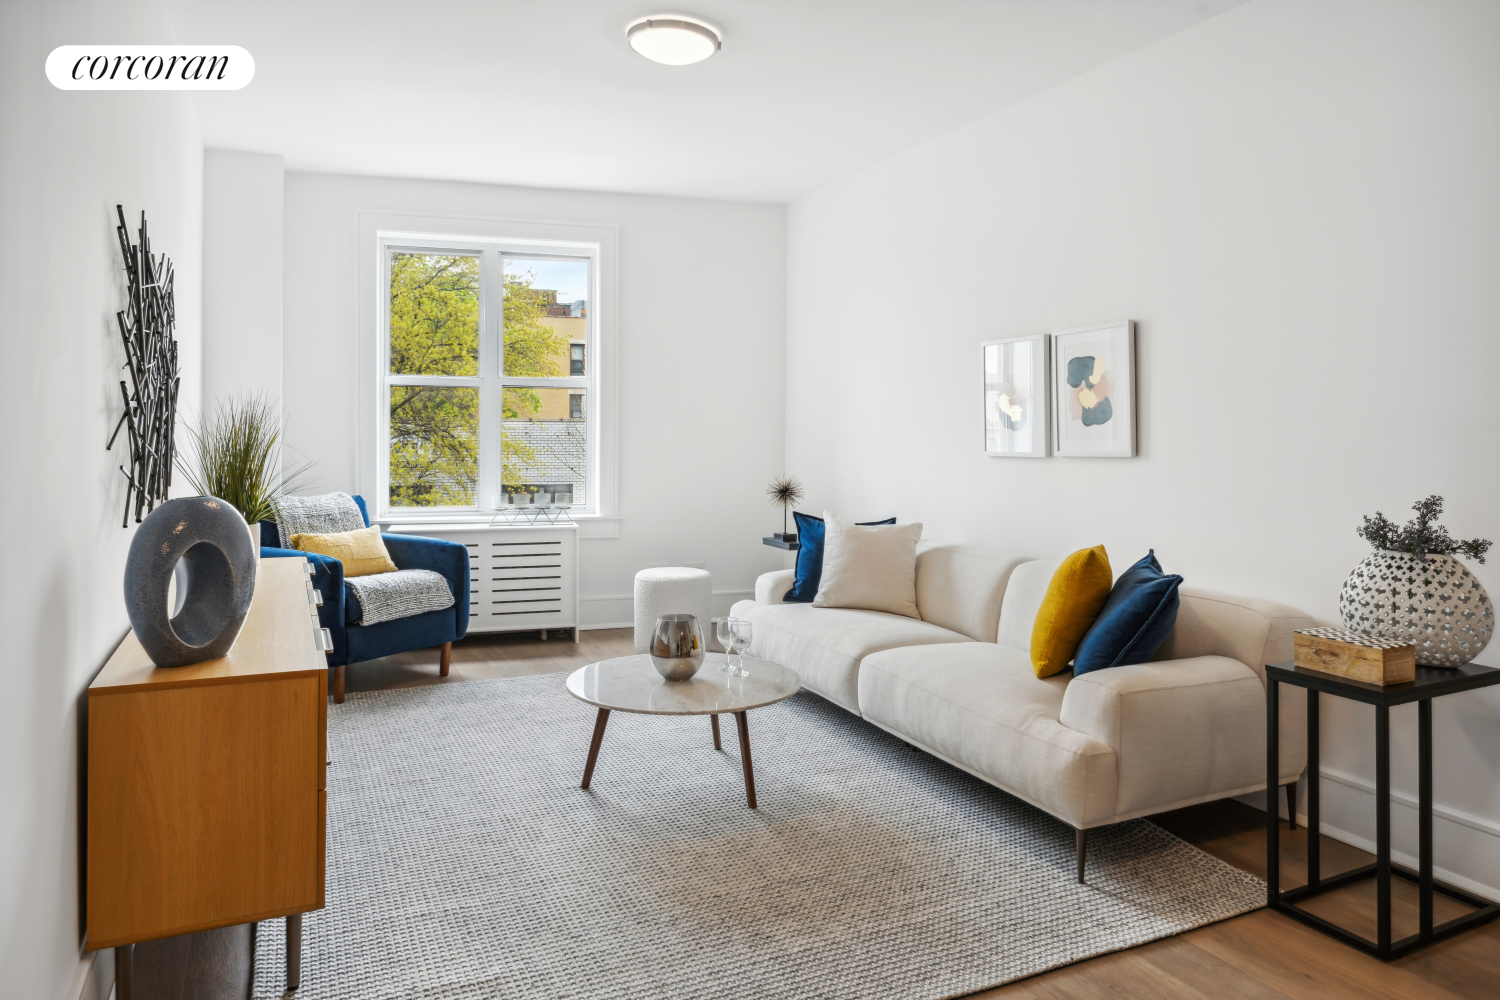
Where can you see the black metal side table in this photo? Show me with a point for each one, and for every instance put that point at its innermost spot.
(1430, 683)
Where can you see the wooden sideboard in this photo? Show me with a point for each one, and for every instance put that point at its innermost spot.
(207, 783)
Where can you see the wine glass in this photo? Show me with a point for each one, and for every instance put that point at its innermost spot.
(724, 627)
(743, 634)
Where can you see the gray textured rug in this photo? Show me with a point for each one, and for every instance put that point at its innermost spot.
(464, 861)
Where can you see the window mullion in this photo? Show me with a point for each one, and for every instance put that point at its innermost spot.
(432, 380)
(491, 351)
(581, 382)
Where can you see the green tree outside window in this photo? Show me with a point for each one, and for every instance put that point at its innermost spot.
(434, 330)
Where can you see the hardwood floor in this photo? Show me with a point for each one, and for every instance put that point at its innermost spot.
(481, 657)
(1259, 956)
(1267, 956)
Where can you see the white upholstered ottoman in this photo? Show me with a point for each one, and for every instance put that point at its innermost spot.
(671, 590)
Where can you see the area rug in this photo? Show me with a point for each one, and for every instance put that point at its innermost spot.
(464, 861)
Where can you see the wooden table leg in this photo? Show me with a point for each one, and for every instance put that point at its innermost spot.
(715, 720)
(124, 971)
(446, 659)
(293, 951)
(744, 726)
(599, 724)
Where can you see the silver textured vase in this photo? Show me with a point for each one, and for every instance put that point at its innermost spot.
(1434, 602)
(677, 646)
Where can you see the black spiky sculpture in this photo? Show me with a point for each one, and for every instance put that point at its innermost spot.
(150, 416)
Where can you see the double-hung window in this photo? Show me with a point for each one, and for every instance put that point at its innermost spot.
(486, 383)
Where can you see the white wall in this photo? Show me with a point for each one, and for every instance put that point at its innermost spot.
(65, 161)
(242, 274)
(700, 385)
(1298, 202)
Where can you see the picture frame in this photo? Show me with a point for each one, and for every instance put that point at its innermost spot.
(1093, 392)
(1017, 389)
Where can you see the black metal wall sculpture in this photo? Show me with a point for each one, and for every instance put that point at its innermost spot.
(150, 414)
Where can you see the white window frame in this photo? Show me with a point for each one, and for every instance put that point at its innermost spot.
(385, 232)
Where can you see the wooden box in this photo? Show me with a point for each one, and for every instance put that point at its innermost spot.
(1358, 657)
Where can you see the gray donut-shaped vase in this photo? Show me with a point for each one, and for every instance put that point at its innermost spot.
(212, 541)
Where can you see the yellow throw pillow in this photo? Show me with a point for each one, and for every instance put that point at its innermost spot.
(362, 552)
(1074, 598)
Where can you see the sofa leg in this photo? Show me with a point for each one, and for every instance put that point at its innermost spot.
(1291, 806)
(446, 659)
(1083, 840)
(338, 684)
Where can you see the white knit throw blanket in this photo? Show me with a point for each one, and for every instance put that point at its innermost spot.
(382, 597)
(385, 597)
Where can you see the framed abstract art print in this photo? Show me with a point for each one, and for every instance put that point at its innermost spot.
(1015, 397)
(1094, 395)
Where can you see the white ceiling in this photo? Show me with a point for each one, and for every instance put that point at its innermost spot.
(547, 93)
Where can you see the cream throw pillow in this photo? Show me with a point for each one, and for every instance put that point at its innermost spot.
(872, 567)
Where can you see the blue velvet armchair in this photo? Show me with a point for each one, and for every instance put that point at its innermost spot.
(354, 643)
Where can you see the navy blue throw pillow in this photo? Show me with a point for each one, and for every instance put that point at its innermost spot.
(1135, 620)
(810, 557)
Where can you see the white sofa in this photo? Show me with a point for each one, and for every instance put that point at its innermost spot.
(1111, 745)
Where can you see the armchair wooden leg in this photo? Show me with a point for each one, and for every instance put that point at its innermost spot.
(1291, 806)
(1083, 841)
(447, 658)
(338, 684)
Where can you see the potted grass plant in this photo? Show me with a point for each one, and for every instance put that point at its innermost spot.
(237, 456)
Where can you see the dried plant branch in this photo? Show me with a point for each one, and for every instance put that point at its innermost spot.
(785, 492)
(1421, 535)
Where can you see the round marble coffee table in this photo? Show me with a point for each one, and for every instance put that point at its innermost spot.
(631, 684)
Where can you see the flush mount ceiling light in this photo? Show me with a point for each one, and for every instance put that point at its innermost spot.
(672, 39)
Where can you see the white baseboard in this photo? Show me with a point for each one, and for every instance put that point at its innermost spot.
(618, 610)
(738, 594)
(606, 611)
(80, 977)
(1410, 860)
(1348, 804)
(94, 979)
(1410, 801)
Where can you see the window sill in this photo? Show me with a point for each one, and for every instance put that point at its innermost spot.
(589, 525)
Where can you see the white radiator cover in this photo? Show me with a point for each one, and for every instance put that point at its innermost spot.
(521, 577)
